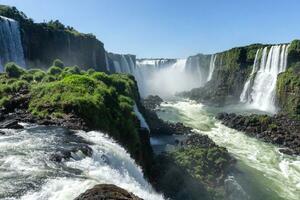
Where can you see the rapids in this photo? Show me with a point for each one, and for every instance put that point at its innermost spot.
(28, 173)
(262, 171)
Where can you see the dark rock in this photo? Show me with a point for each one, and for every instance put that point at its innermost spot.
(277, 129)
(152, 102)
(12, 124)
(199, 140)
(2, 132)
(107, 192)
(67, 154)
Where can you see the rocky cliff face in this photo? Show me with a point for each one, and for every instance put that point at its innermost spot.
(231, 71)
(288, 84)
(44, 42)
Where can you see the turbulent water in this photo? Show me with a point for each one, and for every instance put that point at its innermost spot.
(10, 42)
(259, 89)
(165, 77)
(27, 172)
(263, 173)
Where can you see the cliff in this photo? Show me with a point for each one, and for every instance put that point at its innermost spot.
(44, 42)
(288, 84)
(232, 68)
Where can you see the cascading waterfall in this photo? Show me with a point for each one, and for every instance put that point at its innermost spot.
(10, 41)
(212, 66)
(27, 171)
(261, 93)
(107, 63)
(161, 76)
(263, 172)
(245, 95)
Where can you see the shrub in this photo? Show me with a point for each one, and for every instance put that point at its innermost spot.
(27, 77)
(4, 101)
(90, 71)
(54, 70)
(48, 78)
(17, 85)
(13, 70)
(39, 75)
(58, 63)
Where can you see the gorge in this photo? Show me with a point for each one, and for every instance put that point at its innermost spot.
(80, 121)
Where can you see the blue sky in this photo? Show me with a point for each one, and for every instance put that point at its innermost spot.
(172, 28)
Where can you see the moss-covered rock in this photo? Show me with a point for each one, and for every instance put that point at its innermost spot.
(288, 91)
(103, 102)
(232, 68)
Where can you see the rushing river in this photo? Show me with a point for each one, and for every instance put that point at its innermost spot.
(27, 171)
(262, 171)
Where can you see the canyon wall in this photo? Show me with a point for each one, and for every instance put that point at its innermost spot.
(44, 42)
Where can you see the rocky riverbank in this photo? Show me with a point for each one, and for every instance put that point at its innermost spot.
(195, 166)
(107, 192)
(278, 129)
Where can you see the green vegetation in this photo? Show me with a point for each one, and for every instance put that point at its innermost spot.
(232, 69)
(288, 90)
(13, 71)
(103, 101)
(204, 164)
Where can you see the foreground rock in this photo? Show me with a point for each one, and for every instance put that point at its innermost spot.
(197, 167)
(278, 129)
(107, 192)
(152, 102)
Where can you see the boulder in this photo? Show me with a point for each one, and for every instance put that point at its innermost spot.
(12, 124)
(107, 192)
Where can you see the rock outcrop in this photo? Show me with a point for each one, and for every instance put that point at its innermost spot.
(44, 42)
(278, 129)
(107, 192)
(231, 71)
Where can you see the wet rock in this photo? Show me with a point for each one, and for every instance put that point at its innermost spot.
(11, 124)
(199, 141)
(277, 129)
(107, 192)
(152, 102)
(67, 154)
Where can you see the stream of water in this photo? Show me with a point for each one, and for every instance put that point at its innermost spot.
(261, 170)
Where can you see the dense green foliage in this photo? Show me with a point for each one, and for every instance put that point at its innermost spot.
(288, 83)
(204, 164)
(294, 53)
(232, 68)
(288, 91)
(13, 71)
(103, 101)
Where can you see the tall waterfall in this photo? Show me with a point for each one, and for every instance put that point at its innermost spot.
(245, 95)
(211, 66)
(259, 89)
(28, 172)
(10, 42)
(164, 77)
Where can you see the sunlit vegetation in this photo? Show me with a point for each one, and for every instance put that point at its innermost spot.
(103, 101)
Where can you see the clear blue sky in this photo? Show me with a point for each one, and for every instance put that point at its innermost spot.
(172, 28)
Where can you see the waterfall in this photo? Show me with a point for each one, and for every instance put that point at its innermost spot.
(261, 93)
(27, 153)
(125, 65)
(164, 77)
(10, 42)
(211, 66)
(139, 115)
(245, 95)
(107, 63)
